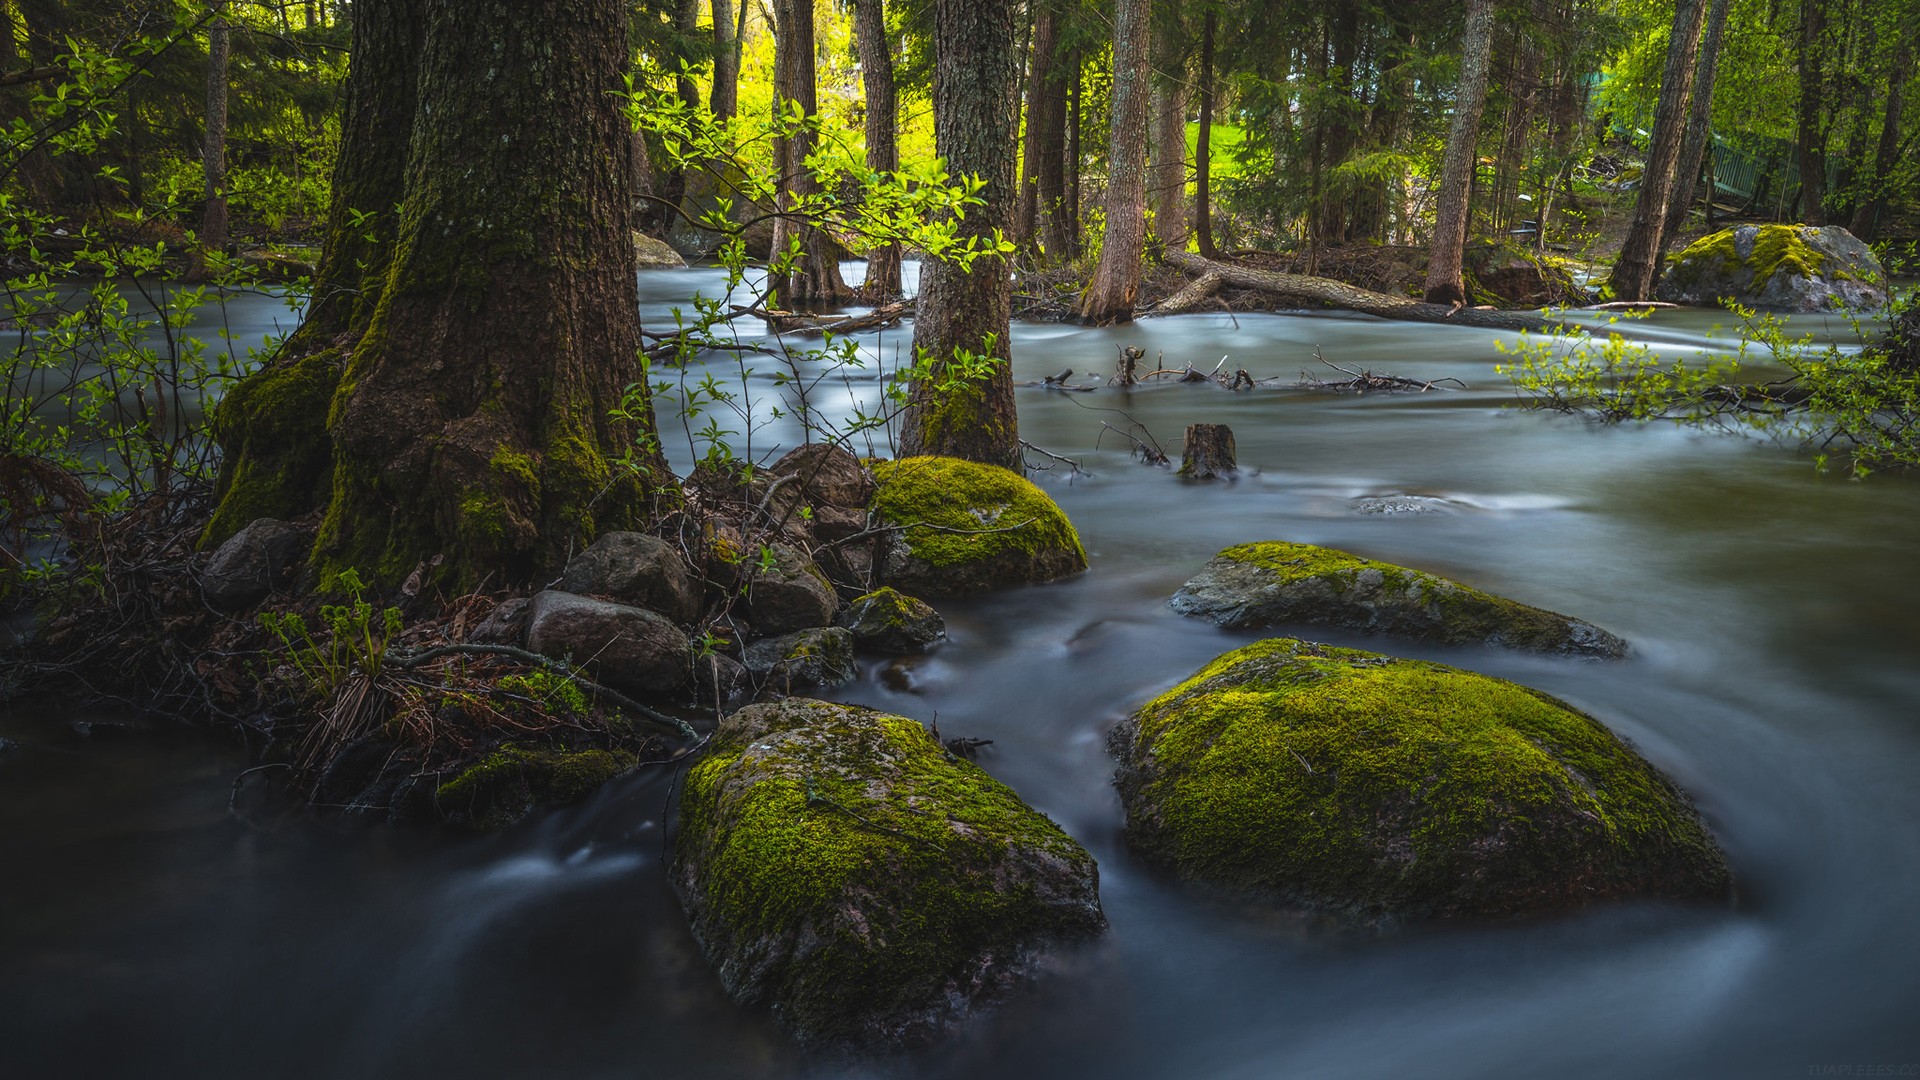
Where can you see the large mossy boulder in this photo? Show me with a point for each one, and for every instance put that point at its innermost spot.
(1251, 586)
(964, 527)
(1374, 788)
(1777, 267)
(843, 869)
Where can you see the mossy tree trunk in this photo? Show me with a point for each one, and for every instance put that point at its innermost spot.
(1116, 281)
(1452, 207)
(816, 278)
(976, 77)
(1633, 271)
(882, 122)
(472, 418)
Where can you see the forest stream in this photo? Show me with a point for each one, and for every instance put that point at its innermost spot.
(149, 930)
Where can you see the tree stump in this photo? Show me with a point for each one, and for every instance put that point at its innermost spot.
(1208, 453)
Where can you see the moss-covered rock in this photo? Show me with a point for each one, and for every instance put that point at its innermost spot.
(510, 783)
(819, 656)
(891, 621)
(840, 867)
(1778, 267)
(1250, 586)
(1365, 786)
(969, 528)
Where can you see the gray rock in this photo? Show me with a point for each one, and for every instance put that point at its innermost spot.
(828, 475)
(719, 677)
(788, 593)
(638, 569)
(1272, 583)
(1777, 267)
(628, 648)
(821, 656)
(506, 624)
(253, 562)
(890, 621)
(652, 254)
(840, 867)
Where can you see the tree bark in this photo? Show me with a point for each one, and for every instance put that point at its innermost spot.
(724, 99)
(1203, 146)
(1866, 218)
(1352, 298)
(1810, 141)
(1116, 282)
(1634, 269)
(1167, 151)
(1207, 452)
(472, 420)
(976, 86)
(1043, 169)
(882, 124)
(1076, 65)
(213, 219)
(1693, 149)
(815, 279)
(1444, 283)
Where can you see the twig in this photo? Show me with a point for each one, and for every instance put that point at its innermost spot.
(407, 658)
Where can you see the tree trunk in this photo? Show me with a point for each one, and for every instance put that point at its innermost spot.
(276, 455)
(1042, 169)
(1167, 151)
(1693, 149)
(976, 105)
(815, 279)
(724, 100)
(1633, 271)
(1073, 222)
(1116, 282)
(1353, 298)
(1444, 283)
(213, 220)
(1810, 143)
(1208, 453)
(1866, 218)
(1203, 147)
(882, 123)
(472, 420)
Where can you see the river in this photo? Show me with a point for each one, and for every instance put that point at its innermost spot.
(146, 930)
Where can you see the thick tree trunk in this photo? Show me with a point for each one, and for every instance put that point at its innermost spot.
(1633, 271)
(724, 99)
(472, 421)
(213, 219)
(1693, 149)
(815, 279)
(1116, 282)
(1866, 218)
(276, 455)
(1352, 298)
(976, 87)
(882, 124)
(1167, 151)
(1810, 143)
(1444, 284)
(1203, 145)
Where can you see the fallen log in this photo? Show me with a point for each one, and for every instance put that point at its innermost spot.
(1353, 298)
(1192, 298)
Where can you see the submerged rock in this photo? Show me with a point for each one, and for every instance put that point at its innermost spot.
(1778, 267)
(628, 648)
(253, 562)
(969, 528)
(821, 656)
(1366, 786)
(840, 867)
(638, 569)
(888, 620)
(1257, 585)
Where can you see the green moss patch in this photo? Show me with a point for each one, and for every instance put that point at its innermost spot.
(1364, 785)
(510, 783)
(841, 867)
(1274, 582)
(970, 527)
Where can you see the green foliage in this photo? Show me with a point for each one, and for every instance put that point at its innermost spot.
(356, 640)
(551, 691)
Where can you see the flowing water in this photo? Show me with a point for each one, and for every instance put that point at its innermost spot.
(147, 931)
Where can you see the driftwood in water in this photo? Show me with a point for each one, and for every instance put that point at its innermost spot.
(800, 322)
(1341, 295)
(1364, 381)
(1209, 452)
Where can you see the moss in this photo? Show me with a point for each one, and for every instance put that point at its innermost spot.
(985, 511)
(1353, 782)
(1776, 249)
(871, 860)
(552, 691)
(1336, 588)
(510, 782)
(277, 459)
